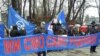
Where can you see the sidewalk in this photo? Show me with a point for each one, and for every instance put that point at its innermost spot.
(76, 52)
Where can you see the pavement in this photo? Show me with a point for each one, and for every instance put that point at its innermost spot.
(75, 52)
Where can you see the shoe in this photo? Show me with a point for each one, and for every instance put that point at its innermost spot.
(95, 52)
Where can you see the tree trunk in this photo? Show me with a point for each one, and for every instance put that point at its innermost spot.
(45, 9)
(69, 10)
(54, 9)
(30, 14)
(79, 10)
(61, 5)
(34, 7)
(98, 7)
(14, 4)
(73, 9)
(49, 12)
(17, 5)
(20, 7)
(83, 11)
(99, 10)
(24, 8)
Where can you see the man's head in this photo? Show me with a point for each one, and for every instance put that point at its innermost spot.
(93, 22)
(15, 27)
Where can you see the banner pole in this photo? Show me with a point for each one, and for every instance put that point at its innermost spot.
(9, 4)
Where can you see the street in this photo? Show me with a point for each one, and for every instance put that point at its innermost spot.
(75, 52)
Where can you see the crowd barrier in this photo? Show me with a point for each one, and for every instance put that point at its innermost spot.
(37, 43)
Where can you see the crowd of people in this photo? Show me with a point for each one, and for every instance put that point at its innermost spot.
(79, 31)
(15, 32)
(90, 30)
(57, 30)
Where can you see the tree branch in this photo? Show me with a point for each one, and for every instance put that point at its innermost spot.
(79, 10)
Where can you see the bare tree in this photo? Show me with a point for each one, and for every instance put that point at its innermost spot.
(98, 7)
(14, 4)
(81, 14)
(71, 4)
(45, 9)
(34, 9)
(69, 9)
(20, 7)
(61, 5)
(48, 5)
(30, 12)
(24, 8)
(17, 5)
(54, 9)
(99, 10)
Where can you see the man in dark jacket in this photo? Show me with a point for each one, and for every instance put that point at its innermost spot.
(71, 31)
(41, 30)
(22, 31)
(93, 31)
(14, 32)
(56, 26)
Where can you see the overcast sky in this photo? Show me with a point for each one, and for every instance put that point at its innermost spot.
(90, 11)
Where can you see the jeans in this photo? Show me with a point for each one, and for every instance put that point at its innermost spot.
(39, 53)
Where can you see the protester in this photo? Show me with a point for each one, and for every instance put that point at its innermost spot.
(59, 28)
(22, 31)
(77, 29)
(84, 30)
(14, 32)
(54, 23)
(40, 29)
(64, 30)
(71, 31)
(92, 31)
(56, 26)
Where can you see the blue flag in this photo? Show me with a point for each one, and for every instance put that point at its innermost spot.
(61, 18)
(15, 19)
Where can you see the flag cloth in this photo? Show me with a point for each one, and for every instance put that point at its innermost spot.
(15, 19)
(61, 18)
(2, 30)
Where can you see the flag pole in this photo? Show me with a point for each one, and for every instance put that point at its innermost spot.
(8, 17)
